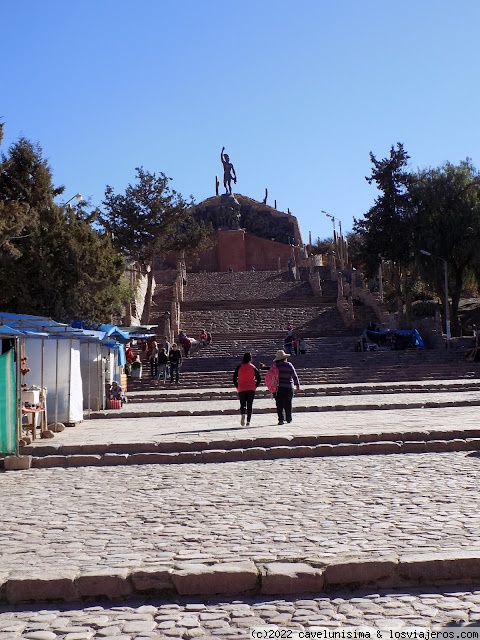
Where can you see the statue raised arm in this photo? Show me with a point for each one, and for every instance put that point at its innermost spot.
(228, 172)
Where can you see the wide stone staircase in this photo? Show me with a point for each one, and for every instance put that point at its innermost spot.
(256, 303)
(249, 311)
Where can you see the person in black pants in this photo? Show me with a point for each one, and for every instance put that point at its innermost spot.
(153, 357)
(287, 379)
(175, 360)
(246, 378)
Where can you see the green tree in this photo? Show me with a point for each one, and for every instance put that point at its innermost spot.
(447, 224)
(321, 246)
(55, 254)
(385, 231)
(151, 218)
(17, 194)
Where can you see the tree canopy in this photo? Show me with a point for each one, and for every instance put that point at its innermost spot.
(151, 218)
(52, 262)
(384, 230)
(446, 220)
(434, 210)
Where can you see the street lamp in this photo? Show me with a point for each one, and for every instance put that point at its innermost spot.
(380, 277)
(445, 285)
(332, 219)
(77, 196)
(340, 243)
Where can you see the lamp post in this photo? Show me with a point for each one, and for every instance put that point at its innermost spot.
(332, 219)
(338, 240)
(445, 285)
(77, 196)
(380, 277)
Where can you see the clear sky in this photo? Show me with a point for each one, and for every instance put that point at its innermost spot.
(298, 92)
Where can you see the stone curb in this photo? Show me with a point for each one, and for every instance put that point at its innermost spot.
(125, 413)
(159, 395)
(246, 577)
(255, 452)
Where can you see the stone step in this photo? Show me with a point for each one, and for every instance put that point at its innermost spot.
(205, 379)
(265, 448)
(270, 305)
(235, 580)
(164, 393)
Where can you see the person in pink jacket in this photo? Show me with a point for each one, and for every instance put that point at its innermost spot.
(246, 378)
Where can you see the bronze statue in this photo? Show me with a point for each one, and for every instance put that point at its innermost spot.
(228, 172)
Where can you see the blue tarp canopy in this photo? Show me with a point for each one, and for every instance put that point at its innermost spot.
(24, 322)
(115, 332)
(19, 324)
(110, 330)
(143, 332)
(396, 338)
(8, 332)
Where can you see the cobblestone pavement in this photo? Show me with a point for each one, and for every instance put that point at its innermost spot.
(225, 619)
(227, 427)
(313, 509)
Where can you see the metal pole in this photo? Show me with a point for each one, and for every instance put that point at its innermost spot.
(335, 248)
(89, 380)
(42, 384)
(69, 395)
(18, 347)
(447, 309)
(342, 260)
(56, 383)
(380, 280)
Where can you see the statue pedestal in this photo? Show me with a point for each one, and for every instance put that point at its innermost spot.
(228, 216)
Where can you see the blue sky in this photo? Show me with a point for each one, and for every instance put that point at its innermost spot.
(298, 92)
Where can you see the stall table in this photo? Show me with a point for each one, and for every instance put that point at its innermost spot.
(32, 414)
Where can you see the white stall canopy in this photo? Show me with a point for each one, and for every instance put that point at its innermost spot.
(70, 363)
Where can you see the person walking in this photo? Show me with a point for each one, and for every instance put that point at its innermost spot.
(296, 343)
(166, 345)
(246, 378)
(288, 343)
(302, 346)
(175, 360)
(153, 357)
(162, 366)
(287, 379)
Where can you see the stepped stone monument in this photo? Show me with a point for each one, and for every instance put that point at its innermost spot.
(247, 234)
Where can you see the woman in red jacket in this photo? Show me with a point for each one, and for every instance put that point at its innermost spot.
(246, 378)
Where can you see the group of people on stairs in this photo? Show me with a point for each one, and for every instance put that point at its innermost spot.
(166, 359)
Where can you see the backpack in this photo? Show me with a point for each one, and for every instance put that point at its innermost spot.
(246, 377)
(271, 379)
